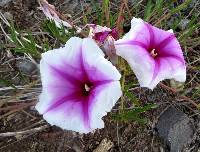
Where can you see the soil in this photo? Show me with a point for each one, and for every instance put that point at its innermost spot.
(124, 136)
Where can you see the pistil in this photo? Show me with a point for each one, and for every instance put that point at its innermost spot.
(87, 88)
(153, 53)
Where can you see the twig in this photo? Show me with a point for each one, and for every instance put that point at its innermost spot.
(18, 109)
(118, 142)
(181, 97)
(20, 93)
(120, 20)
(33, 118)
(22, 133)
(126, 5)
(35, 124)
(166, 16)
(16, 106)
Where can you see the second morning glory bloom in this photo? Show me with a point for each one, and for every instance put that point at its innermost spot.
(79, 86)
(100, 33)
(153, 54)
(105, 37)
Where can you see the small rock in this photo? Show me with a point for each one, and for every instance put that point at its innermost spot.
(179, 86)
(193, 3)
(175, 128)
(27, 67)
(77, 145)
(183, 24)
(4, 2)
(104, 146)
(8, 16)
(16, 80)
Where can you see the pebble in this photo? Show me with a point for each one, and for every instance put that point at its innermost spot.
(175, 128)
(27, 67)
(4, 2)
(8, 16)
(183, 24)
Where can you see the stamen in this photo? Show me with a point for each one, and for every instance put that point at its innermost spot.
(153, 53)
(87, 88)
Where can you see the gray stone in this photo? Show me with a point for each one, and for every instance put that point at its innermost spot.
(8, 16)
(183, 24)
(4, 2)
(27, 67)
(193, 3)
(175, 128)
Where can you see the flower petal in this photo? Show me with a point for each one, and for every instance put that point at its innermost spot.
(68, 116)
(109, 49)
(168, 68)
(138, 34)
(139, 60)
(100, 68)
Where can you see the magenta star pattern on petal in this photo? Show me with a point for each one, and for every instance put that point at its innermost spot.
(153, 54)
(79, 86)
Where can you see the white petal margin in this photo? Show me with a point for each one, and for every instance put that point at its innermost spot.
(138, 29)
(104, 101)
(67, 116)
(169, 69)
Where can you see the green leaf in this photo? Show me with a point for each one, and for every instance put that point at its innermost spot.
(62, 34)
(181, 7)
(148, 10)
(134, 114)
(130, 95)
(159, 6)
(129, 117)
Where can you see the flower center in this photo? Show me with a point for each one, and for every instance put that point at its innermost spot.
(86, 88)
(153, 53)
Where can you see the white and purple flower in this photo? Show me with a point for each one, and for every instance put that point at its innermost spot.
(153, 54)
(79, 86)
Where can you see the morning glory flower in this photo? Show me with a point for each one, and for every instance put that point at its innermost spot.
(51, 13)
(153, 54)
(100, 33)
(105, 38)
(79, 86)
